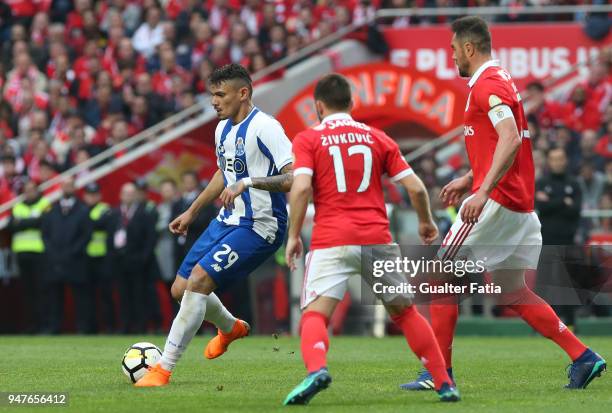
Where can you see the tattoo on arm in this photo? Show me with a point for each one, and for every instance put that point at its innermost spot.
(276, 183)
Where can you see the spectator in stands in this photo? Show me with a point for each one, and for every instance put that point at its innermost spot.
(157, 104)
(141, 117)
(603, 147)
(592, 184)
(66, 230)
(190, 185)
(104, 103)
(558, 201)
(238, 37)
(151, 269)
(162, 80)
(165, 244)
(99, 263)
(13, 179)
(580, 113)
(588, 142)
(150, 34)
(131, 232)
(27, 245)
(543, 111)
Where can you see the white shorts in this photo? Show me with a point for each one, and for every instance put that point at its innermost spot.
(502, 238)
(328, 271)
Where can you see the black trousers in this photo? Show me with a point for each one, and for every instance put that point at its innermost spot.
(31, 265)
(103, 284)
(55, 308)
(152, 308)
(131, 280)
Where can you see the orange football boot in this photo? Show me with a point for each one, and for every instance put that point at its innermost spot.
(218, 345)
(156, 376)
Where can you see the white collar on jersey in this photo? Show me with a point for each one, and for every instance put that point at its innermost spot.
(336, 116)
(485, 66)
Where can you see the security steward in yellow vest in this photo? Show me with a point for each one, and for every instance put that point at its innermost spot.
(28, 247)
(99, 263)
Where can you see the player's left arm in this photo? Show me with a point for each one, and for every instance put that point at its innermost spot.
(276, 183)
(496, 96)
(508, 145)
(298, 203)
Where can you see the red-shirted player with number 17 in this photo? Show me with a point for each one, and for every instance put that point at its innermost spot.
(497, 223)
(341, 162)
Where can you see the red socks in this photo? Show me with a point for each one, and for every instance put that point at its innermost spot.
(422, 341)
(542, 318)
(315, 341)
(443, 322)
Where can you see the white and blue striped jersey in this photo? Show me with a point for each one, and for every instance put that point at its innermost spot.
(256, 147)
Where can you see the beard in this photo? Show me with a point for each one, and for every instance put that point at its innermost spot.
(463, 71)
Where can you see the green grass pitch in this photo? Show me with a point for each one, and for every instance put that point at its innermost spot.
(494, 375)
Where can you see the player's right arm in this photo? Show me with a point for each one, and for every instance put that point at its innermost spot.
(400, 172)
(212, 191)
(301, 190)
(428, 231)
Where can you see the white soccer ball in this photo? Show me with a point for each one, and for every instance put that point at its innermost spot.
(138, 358)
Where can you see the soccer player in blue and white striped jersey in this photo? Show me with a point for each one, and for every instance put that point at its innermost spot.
(255, 168)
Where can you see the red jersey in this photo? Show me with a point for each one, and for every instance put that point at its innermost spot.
(493, 87)
(347, 160)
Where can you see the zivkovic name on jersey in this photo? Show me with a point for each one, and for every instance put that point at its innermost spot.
(255, 147)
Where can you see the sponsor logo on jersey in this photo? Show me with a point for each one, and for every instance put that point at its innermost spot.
(239, 147)
(468, 130)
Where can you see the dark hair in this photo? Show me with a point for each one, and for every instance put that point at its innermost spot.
(334, 91)
(230, 72)
(475, 30)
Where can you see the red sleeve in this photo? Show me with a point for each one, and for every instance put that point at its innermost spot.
(395, 166)
(303, 154)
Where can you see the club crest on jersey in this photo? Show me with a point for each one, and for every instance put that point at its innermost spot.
(494, 101)
(239, 147)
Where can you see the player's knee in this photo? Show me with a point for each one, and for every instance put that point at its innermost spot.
(177, 291)
(200, 281)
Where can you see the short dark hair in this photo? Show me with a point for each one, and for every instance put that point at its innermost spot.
(334, 91)
(229, 72)
(475, 30)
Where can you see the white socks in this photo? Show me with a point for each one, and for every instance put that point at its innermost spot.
(217, 314)
(185, 325)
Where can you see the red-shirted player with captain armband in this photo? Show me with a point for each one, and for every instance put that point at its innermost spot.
(498, 220)
(341, 162)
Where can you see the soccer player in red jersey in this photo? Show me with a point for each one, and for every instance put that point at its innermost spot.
(497, 220)
(340, 163)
